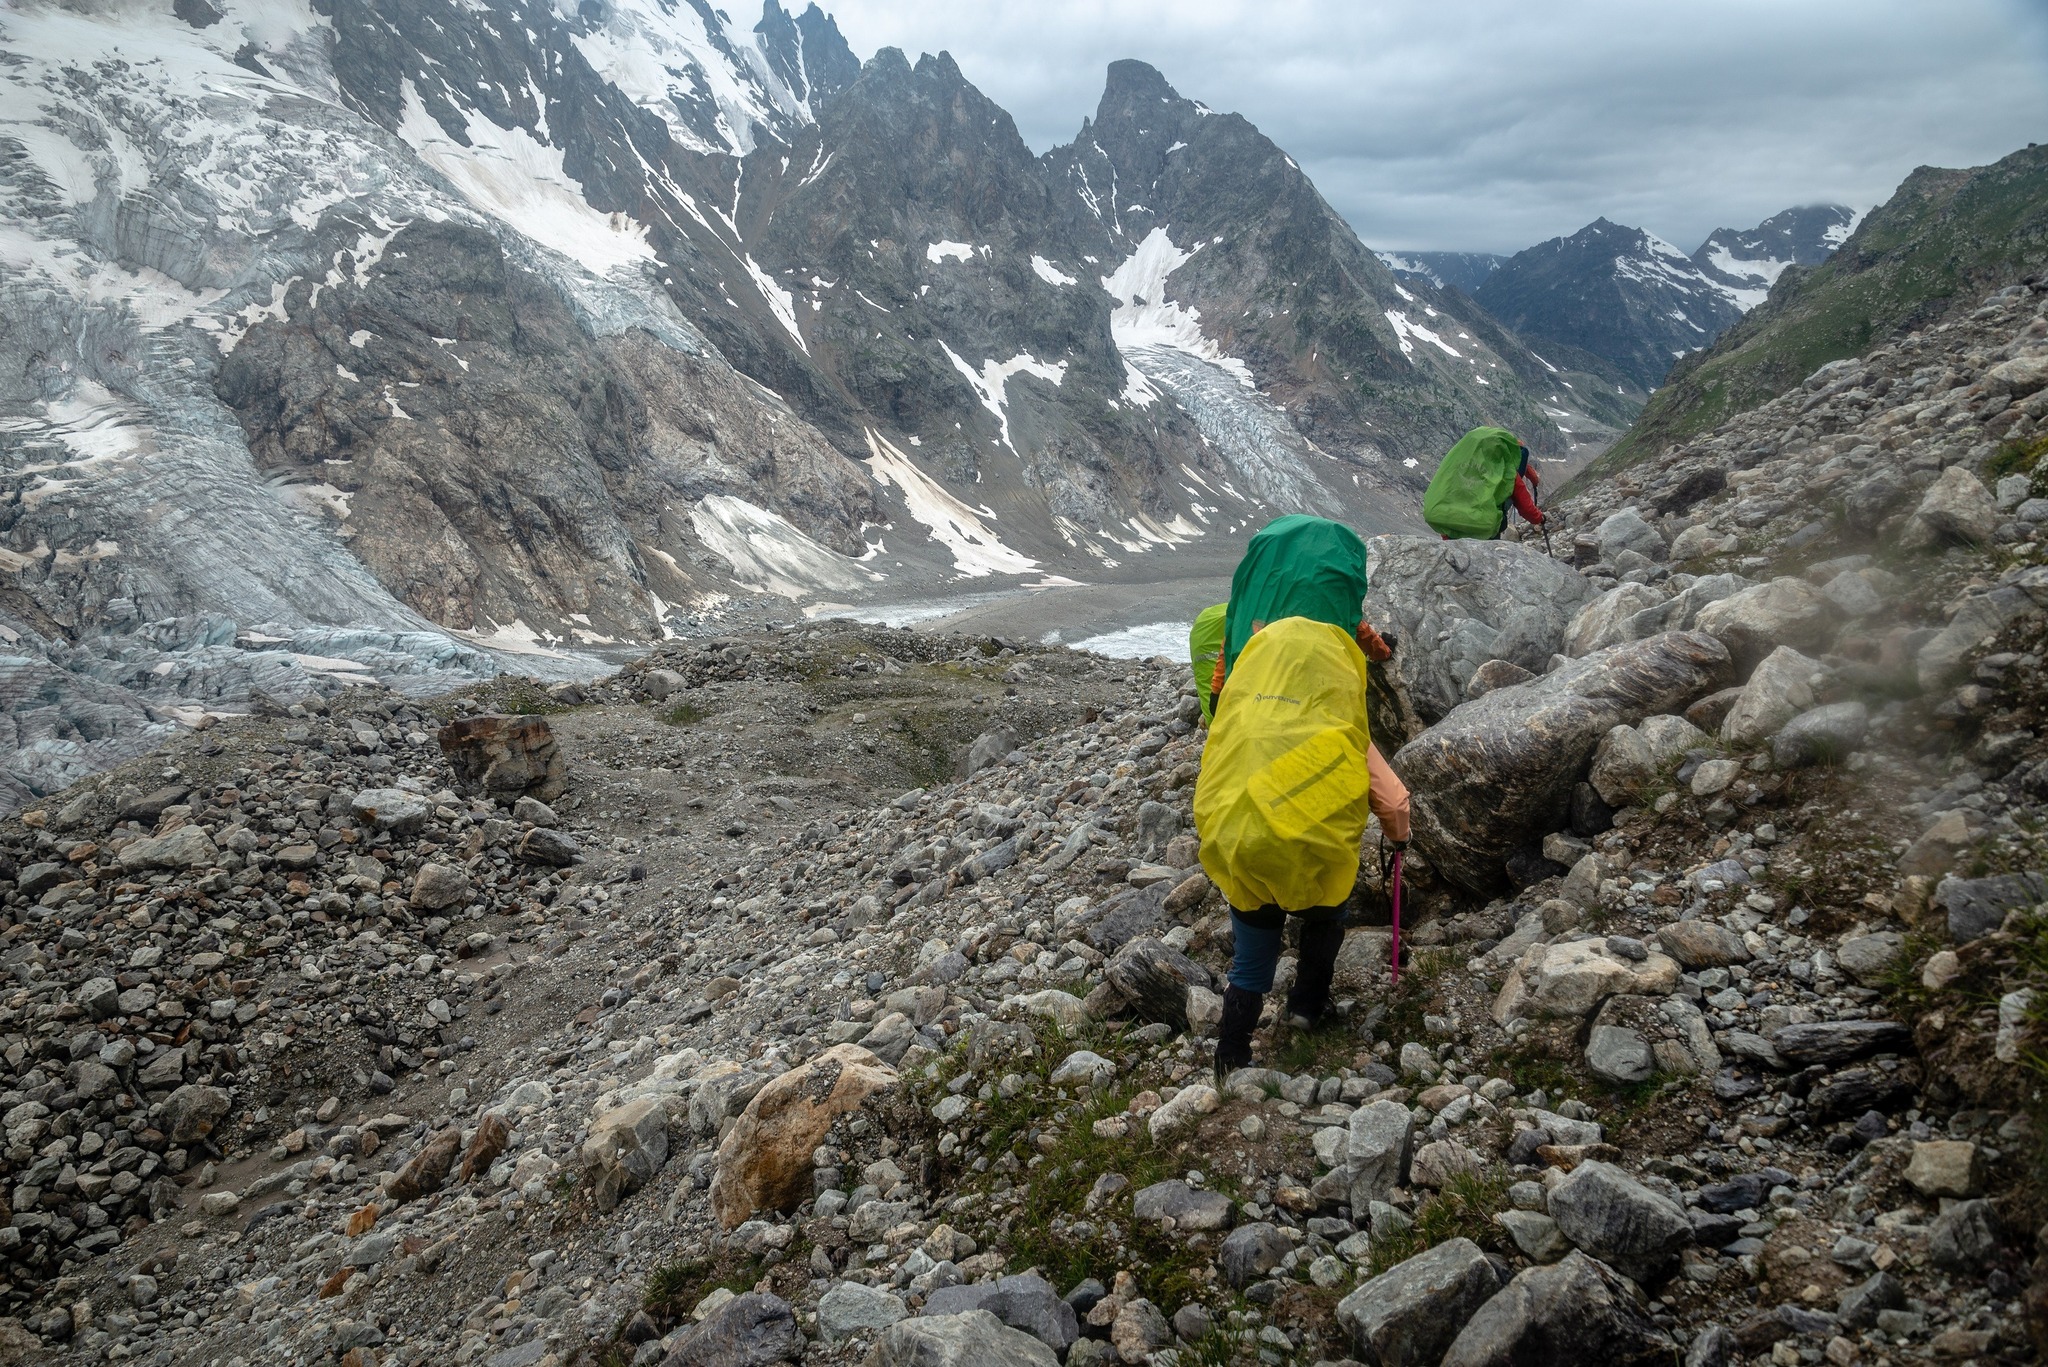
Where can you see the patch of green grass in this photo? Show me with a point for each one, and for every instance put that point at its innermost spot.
(1410, 999)
(523, 697)
(1464, 1208)
(1530, 1070)
(1321, 1051)
(673, 1289)
(2019, 458)
(684, 714)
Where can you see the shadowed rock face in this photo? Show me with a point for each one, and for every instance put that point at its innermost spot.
(492, 462)
(1454, 605)
(1498, 771)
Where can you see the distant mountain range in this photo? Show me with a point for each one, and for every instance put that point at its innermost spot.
(1944, 238)
(1634, 300)
(1624, 297)
(1446, 270)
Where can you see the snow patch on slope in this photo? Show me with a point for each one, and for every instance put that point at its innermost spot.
(1403, 330)
(1144, 316)
(517, 179)
(1049, 273)
(976, 550)
(767, 553)
(991, 382)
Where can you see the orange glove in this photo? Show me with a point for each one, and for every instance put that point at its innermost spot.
(1375, 647)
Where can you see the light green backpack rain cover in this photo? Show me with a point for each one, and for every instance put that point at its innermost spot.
(1468, 496)
(1205, 643)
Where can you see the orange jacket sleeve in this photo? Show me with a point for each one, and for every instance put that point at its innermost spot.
(1388, 796)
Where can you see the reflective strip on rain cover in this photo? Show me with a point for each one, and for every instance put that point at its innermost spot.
(1205, 643)
(1281, 802)
(1472, 486)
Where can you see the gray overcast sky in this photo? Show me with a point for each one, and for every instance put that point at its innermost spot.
(1485, 125)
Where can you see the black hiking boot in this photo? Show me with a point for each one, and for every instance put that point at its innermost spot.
(1316, 964)
(1234, 1034)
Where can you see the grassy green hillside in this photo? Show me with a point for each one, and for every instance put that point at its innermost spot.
(1940, 242)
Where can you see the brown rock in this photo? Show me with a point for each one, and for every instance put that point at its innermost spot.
(428, 1168)
(333, 1285)
(492, 1135)
(504, 758)
(765, 1161)
(360, 1221)
(437, 887)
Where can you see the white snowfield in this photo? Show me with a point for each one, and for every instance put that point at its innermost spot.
(976, 550)
(769, 554)
(507, 174)
(664, 56)
(1145, 317)
(948, 251)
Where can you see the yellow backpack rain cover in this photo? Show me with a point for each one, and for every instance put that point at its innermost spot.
(1280, 805)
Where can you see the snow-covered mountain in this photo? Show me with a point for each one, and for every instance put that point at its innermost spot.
(388, 336)
(1635, 301)
(1454, 270)
(1751, 261)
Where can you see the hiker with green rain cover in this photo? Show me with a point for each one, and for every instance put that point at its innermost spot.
(1289, 773)
(1479, 479)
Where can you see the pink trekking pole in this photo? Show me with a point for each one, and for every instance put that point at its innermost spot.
(1394, 968)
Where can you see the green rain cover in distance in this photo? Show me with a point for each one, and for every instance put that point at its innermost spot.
(1472, 484)
(1297, 566)
(1205, 643)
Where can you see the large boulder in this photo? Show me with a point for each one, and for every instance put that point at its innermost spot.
(757, 1329)
(1779, 690)
(765, 1161)
(1956, 510)
(188, 847)
(973, 1339)
(626, 1147)
(1610, 619)
(1628, 530)
(1574, 1311)
(1633, 758)
(505, 758)
(1498, 772)
(1618, 1220)
(1568, 981)
(1979, 617)
(1756, 621)
(1454, 605)
(1026, 1301)
(1409, 1314)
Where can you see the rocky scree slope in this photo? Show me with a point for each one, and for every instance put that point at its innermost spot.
(1941, 241)
(1734, 1065)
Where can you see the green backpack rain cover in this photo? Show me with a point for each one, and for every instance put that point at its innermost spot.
(1468, 496)
(1205, 643)
(1297, 566)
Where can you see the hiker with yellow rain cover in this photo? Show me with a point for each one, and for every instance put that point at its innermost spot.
(1288, 771)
